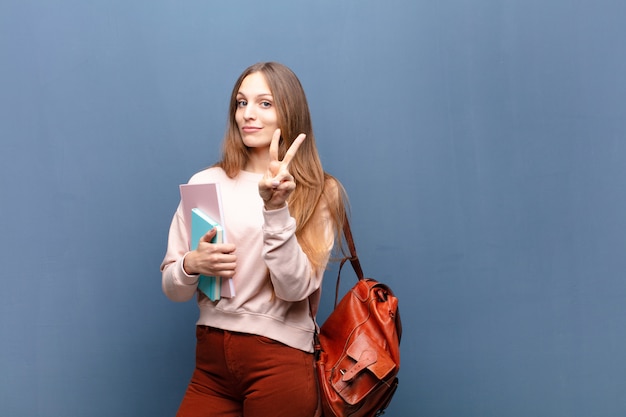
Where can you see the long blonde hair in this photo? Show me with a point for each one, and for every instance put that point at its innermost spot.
(313, 185)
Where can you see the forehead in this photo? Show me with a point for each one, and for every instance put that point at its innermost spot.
(254, 85)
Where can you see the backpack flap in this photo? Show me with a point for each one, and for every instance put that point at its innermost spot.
(362, 370)
(370, 356)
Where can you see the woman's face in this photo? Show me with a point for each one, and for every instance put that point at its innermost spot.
(255, 115)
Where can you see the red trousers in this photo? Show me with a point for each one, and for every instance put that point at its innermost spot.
(244, 375)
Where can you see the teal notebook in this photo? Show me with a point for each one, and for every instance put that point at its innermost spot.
(206, 197)
(201, 223)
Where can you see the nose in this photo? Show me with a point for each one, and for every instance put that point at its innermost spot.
(248, 112)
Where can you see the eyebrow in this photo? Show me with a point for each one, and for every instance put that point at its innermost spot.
(240, 93)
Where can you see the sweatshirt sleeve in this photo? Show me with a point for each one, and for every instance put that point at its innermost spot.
(176, 283)
(292, 275)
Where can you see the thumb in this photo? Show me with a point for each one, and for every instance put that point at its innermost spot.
(208, 236)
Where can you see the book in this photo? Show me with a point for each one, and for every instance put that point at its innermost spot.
(201, 223)
(207, 198)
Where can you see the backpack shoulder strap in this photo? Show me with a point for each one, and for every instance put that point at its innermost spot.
(353, 258)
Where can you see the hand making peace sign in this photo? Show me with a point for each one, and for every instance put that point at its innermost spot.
(277, 184)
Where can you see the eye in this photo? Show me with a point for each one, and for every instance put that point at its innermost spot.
(266, 104)
(242, 103)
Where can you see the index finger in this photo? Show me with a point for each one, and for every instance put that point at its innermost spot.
(293, 148)
(274, 145)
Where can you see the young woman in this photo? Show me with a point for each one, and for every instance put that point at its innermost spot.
(254, 352)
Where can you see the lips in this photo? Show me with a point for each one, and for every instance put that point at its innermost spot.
(250, 129)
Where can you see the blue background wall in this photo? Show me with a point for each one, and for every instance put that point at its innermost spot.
(483, 145)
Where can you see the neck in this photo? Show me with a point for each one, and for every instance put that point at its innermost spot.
(258, 161)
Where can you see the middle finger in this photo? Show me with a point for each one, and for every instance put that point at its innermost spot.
(293, 148)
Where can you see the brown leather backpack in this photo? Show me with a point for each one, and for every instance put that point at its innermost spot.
(358, 347)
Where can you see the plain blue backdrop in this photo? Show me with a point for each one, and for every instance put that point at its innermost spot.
(482, 143)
